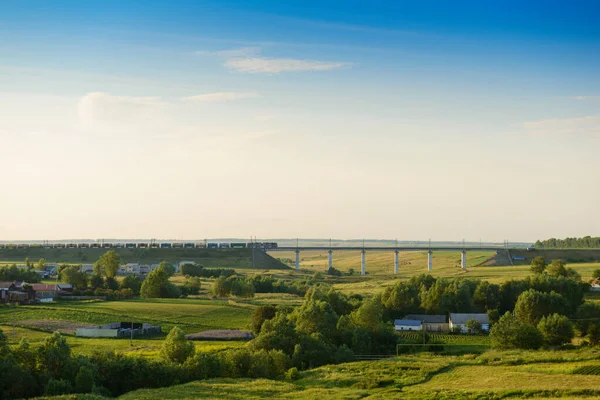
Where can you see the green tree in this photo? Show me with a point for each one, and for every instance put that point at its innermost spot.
(473, 326)
(75, 277)
(586, 315)
(557, 268)
(84, 380)
(131, 282)
(108, 264)
(510, 333)
(596, 274)
(54, 356)
(538, 265)
(260, 315)
(369, 315)
(177, 348)
(556, 329)
(41, 264)
(192, 285)
(157, 285)
(486, 296)
(593, 334)
(221, 287)
(169, 268)
(533, 305)
(315, 317)
(111, 283)
(27, 262)
(96, 281)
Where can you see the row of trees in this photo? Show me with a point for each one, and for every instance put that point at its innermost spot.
(586, 242)
(13, 273)
(241, 286)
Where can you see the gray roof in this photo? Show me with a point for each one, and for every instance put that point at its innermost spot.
(463, 318)
(407, 322)
(428, 319)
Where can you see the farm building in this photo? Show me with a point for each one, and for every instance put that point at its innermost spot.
(118, 330)
(431, 323)
(16, 292)
(47, 292)
(407, 325)
(460, 321)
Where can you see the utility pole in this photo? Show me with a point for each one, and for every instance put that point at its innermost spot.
(131, 339)
(253, 248)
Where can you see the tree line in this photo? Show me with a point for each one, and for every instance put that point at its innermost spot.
(586, 242)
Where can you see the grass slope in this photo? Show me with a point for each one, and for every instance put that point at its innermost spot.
(228, 258)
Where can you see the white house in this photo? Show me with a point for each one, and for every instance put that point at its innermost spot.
(407, 325)
(460, 321)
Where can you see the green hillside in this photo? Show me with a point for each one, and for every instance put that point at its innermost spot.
(230, 258)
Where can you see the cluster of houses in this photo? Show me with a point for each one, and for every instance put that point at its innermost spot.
(437, 323)
(19, 292)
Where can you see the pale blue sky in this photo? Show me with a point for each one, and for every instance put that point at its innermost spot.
(314, 119)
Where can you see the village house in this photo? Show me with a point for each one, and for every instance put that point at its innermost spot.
(460, 321)
(47, 292)
(16, 292)
(407, 325)
(431, 323)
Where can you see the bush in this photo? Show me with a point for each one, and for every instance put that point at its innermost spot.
(292, 374)
(510, 333)
(260, 315)
(177, 348)
(556, 329)
(56, 387)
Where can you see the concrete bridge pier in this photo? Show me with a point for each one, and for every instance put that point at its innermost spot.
(396, 261)
(363, 262)
(463, 259)
(297, 260)
(429, 260)
(330, 259)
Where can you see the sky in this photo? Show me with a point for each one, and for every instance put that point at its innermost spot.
(382, 119)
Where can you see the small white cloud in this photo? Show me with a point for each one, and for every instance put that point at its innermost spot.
(589, 125)
(277, 65)
(241, 52)
(219, 97)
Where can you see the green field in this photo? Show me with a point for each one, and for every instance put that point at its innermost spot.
(497, 375)
(189, 315)
(223, 258)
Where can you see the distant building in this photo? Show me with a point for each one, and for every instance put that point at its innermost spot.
(118, 329)
(87, 268)
(407, 325)
(16, 292)
(460, 321)
(431, 323)
(47, 292)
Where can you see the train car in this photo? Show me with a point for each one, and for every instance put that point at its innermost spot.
(177, 245)
(71, 246)
(35, 246)
(200, 245)
(189, 245)
(118, 245)
(238, 245)
(155, 245)
(59, 245)
(94, 245)
(213, 245)
(165, 245)
(107, 245)
(142, 245)
(83, 245)
(224, 245)
(2, 246)
(130, 245)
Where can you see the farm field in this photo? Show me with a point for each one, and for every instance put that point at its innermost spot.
(541, 374)
(189, 315)
(85, 346)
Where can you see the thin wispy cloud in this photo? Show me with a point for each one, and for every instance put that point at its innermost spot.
(277, 65)
(248, 60)
(584, 98)
(219, 97)
(241, 52)
(589, 125)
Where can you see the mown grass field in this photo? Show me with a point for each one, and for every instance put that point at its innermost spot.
(189, 315)
(491, 375)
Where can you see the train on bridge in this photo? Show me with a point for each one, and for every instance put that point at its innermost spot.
(142, 245)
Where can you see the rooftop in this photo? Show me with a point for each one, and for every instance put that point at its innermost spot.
(407, 322)
(463, 318)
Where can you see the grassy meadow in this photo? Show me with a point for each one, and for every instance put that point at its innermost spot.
(491, 375)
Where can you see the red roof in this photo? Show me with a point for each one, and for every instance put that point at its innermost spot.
(43, 286)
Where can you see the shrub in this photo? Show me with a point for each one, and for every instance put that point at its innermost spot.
(260, 315)
(556, 329)
(56, 387)
(292, 374)
(177, 348)
(510, 333)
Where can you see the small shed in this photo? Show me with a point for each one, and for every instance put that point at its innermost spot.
(407, 325)
(460, 320)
